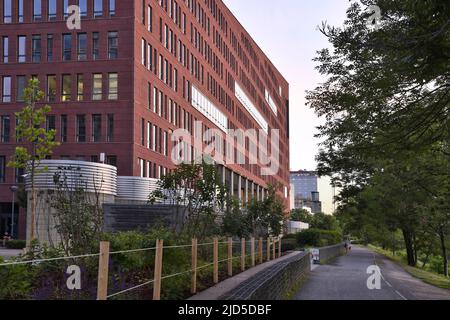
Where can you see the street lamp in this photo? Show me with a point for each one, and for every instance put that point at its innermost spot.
(13, 190)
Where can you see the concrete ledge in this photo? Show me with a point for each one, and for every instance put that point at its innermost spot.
(221, 289)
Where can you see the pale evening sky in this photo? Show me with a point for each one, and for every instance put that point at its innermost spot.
(286, 30)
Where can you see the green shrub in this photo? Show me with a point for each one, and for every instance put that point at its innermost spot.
(16, 244)
(288, 244)
(15, 282)
(318, 238)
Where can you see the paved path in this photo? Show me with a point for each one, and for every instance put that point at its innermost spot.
(346, 279)
(9, 253)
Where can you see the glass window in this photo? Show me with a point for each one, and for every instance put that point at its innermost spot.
(113, 43)
(66, 87)
(80, 87)
(21, 52)
(5, 128)
(37, 10)
(50, 123)
(111, 160)
(81, 128)
(82, 46)
(20, 10)
(83, 7)
(36, 48)
(97, 86)
(65, 8)
(63, 128)
(110, 129)
(67, 47)
(112, 8)
(51, 88)
(5, 49)
(20, 86)
(51, 10)
(143, 52)
(98, 8)
(6, 89)
(2, 168)
(49, 47)
(95, 45)
(113, 86)
(7, 11)
(96, 127)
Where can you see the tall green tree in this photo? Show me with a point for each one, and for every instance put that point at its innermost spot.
(37, 143)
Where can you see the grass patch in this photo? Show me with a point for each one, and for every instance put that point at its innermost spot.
(426, 276)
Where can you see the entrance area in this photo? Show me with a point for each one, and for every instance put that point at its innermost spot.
(5, 219)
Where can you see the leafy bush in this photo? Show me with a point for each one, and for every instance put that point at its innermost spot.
(15, 282)
(16, 244)
(318, 238)
(288, 244)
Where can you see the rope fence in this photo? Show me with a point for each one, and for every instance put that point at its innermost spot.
(252, 249)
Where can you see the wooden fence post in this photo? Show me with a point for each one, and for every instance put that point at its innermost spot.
(103, 266)
(260, 249)
(230, 257)
(194, 267)
(279, 247)
(274, 242)
(243, 254)
(216, 260)
(158, 270)
(252, 250)
(268, 249)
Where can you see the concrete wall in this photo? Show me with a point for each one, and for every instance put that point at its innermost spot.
(274, 282)
(327, 253)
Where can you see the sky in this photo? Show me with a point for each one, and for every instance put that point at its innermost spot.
(286, 30)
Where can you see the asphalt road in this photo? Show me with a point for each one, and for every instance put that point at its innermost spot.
(346, 279)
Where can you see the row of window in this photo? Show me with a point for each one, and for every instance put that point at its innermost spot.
(66, 87)
(102, 128)
(52, 7)
(66, 47)
(19, 173)
(149, 169)
(154, 138)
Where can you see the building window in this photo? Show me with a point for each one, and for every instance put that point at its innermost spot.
(143, 132)
(6, 89)
(18, 174)
(80, 87)
(150, 18)
(51, 88)
(110, 128)
(7, 11)
(97, 86)
(66, 93)
(20, 86)
(36, 48)
(2, 168)
(65, 8)
(49, 47)
(112, 8)
(98, 8)
(82, 46)
(113, 86)
(20, 11)
(95, 46)
(83, 8)
(81, 128)
(96, 127)
(50, 123)
(111, 160)
(51, 10)
(63, 128)
(144, 52)
(37, 10)
(5, 49)
(113, 44)
(5, 128)
(21, 52)
(67, 47)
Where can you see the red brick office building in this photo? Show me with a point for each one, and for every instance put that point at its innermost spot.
(133, 73)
